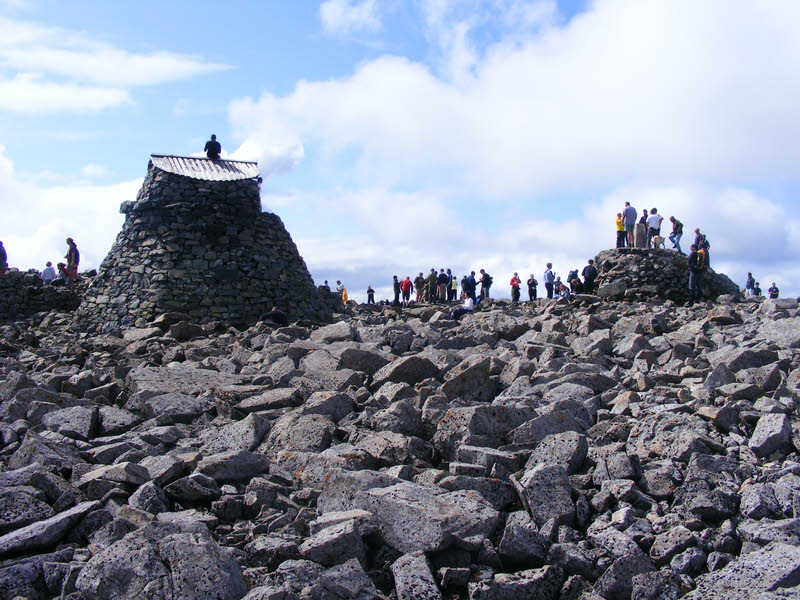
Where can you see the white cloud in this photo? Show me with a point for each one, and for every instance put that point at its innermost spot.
(624, 91)
(347, 16)
(50, 69)
(29, 93)
(50, 214)
(94, 171)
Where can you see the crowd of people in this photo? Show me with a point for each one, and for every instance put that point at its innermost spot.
(67, 273)
(753, 288)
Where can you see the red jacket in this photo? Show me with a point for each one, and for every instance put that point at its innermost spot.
(405, 285)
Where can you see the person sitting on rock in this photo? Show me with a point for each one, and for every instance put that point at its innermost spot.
(277, 316)
(48, 273)
(773, 291)
(576, 286)
(213, 148)
(467, 307)
(61, 278)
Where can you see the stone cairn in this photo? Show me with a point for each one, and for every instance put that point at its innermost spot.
(195, 241)
(648, 274)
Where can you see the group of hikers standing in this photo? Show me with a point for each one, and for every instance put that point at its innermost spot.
(753, 288)
(67, 272)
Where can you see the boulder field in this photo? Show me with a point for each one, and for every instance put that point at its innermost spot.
(548, 450)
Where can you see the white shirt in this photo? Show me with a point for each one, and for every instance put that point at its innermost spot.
(48, 274)
(653, 222)
(468, 303)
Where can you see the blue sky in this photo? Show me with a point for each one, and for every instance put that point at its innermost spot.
(400, 135)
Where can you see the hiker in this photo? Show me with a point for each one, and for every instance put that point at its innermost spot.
(620, 231)
(532, 283)
(453, 289)
(773, 291)
(677, 233)
(442, 283)
(48, 273)
(370, 295)
(629, 216)
(467, 307)
(396, 289)
(515, 283)
(697, 266)
(698, 237)
(643, 218)
(432, 285)
(213, 148)
(757, 289)
(61, 278)
(549, 280)
(405, 287)
(576, 286)
(3, 259)
(73, 259)
(653, 226)
(486, 283)
(706, 247)
(749, 285)
(473, 286)
(325, 287)
(589, 275)
(419, 285)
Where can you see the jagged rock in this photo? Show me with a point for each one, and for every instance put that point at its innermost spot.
(413, 579)
(44, 534)
(547, 494)
(18, 508)
(334, 545)
(161, 561)
(617, 581)
(536, 584)
(773, 433)
(768, 570)
(521, 544)
(409, 369)
(236, 465)
(246, 434)
(347, 581)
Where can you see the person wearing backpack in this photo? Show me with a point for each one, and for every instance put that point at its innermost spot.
(697, 266)
(532, 283)
(486, 283)
(589, 275)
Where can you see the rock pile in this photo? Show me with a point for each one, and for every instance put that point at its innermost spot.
(548, 451)
(200, 247)
(648, 274)
(24, 294)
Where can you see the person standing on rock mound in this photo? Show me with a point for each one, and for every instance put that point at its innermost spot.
(3, 259)
(515, 283)
(73, 259)
(629, 215)
(697, 267)
(620, 231)
(773, 291)
(549, 279)
(213, 148)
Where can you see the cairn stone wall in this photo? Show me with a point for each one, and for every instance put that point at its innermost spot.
(203, 248)
(644, 273)
(24, 294)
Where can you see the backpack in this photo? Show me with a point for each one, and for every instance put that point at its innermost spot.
(702, 260)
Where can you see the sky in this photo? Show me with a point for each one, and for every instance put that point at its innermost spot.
(396, 136)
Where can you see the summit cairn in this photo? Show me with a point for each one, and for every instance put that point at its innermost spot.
(196, 242)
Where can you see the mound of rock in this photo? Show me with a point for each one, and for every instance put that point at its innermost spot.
(647, 274)
(550, 450)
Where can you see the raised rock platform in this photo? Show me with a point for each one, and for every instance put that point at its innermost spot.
(647, 274)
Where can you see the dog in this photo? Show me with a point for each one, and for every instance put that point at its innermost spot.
(658, 242)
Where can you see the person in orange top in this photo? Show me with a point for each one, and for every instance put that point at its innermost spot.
(406, 286)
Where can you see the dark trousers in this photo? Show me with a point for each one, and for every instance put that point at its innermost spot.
(549, 288)
(451, 294)
(370, 298)
(531, 293)
(515, 294)
(588, 286)
(621, 238)
(695, 286)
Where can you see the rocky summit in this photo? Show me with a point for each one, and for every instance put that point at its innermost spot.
(548, 451)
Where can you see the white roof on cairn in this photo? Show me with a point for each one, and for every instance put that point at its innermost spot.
(206, 168)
